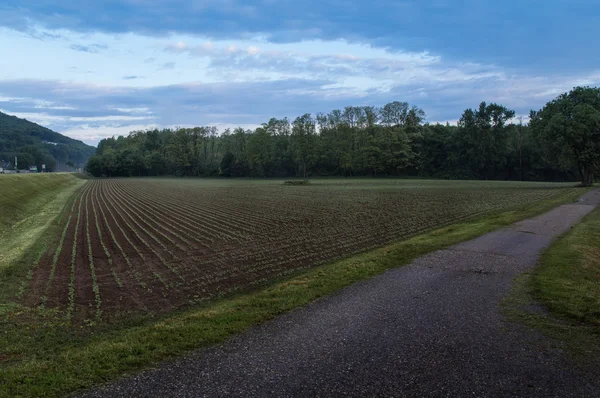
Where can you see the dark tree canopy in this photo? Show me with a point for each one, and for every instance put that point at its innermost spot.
(569, 127)
(355, 141)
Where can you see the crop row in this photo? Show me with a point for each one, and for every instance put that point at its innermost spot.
(154, 245)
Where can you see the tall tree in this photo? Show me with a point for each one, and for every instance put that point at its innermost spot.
(570, 127)
(394, 113)
(484, 139)
(303, 142)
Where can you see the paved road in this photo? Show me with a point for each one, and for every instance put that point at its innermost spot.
(428, 329)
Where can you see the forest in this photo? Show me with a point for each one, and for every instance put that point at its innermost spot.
(35, 145)
(561, 142)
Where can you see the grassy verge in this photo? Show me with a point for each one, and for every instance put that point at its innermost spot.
(29, 207)
(568, 278)
(27, 204)
(561, 297)
(45, 360)
(23, 194)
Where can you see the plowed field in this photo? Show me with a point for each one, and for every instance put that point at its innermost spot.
(152, 245)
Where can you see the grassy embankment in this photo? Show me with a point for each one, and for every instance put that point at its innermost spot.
(28, 204)
(51, 361)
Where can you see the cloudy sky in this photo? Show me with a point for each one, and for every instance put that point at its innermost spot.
(93, 69)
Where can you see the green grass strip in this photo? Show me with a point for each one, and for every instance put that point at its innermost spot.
(568, 279)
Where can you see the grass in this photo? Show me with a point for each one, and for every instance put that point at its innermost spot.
(46, 359)
(29, 205)
(23, 194)
(568, 279)
(561, 297)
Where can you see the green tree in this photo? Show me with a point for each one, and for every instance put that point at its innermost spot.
(261, 152)
(226, 164)
(95, 166)
(484, 139)
(360, 140)
(394, 113)
(303, 142)
(570, 127)
(50, 163)
(25, 160)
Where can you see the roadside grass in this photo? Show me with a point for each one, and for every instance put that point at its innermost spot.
(561, 297)
(41, 357)
(568, 278)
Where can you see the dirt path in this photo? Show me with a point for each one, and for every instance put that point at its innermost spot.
(432, 328)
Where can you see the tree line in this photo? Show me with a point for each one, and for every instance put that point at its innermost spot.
(560, 143)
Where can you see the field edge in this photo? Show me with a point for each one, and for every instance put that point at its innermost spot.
(109, 354)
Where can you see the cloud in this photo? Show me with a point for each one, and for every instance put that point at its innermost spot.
(131, 77)
(191, 104)
(368, 66)
(41, 35)
(167, 66)
(81, 107)
(92, 48)
(179, 46)
(508, 32)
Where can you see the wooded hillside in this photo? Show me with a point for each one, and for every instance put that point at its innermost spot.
(36, 145)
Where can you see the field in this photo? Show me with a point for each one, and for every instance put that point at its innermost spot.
(153, 245)
(107, 277)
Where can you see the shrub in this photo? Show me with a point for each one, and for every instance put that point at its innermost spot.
(297, 182)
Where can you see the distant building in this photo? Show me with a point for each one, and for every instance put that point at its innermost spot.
(50, 143)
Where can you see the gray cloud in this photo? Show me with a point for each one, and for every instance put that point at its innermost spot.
(486, 31)
(407, 68)
(166, 105)
(41, 35)
(167, 66)
(68, 106)
(91, 48)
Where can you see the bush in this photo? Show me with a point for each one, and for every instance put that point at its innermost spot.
(297, 182)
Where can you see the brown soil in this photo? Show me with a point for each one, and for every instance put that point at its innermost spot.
(177, 246)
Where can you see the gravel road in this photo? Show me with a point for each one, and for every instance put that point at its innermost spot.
(432, 328)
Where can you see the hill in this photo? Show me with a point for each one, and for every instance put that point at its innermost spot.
(36, 145)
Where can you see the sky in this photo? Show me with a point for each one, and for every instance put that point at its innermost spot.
(94, 69)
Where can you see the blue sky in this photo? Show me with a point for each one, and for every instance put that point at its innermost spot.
(95, 69)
